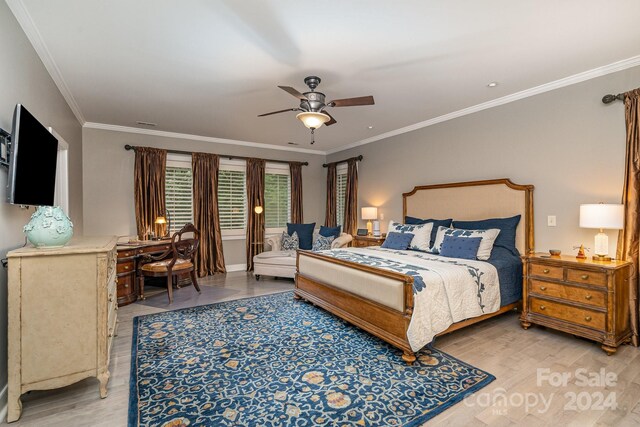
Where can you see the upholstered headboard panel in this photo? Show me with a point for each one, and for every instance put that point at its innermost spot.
(476, 200)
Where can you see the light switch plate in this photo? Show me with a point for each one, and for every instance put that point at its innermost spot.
(551, 220)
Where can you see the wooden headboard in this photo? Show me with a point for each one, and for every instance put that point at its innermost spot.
(475, 200)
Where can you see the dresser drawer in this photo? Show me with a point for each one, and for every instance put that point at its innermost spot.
(581, 316)
(125, 285)
(127, 253)
(154, 249)
(125, 267)
(546, 271)
(588, 277)
(570, 293)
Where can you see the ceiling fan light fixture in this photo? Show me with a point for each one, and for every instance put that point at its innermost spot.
(312, 119)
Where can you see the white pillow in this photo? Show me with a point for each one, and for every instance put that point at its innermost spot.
(421, 234)
(486, 244)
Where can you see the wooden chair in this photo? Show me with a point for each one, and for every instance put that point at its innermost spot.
(178, 259)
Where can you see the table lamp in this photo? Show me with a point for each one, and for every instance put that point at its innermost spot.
(602, 216)
(162, 220)
(369, 213)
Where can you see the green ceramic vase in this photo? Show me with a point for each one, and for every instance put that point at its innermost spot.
(49, 227)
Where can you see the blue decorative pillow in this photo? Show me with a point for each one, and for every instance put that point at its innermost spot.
(305, 233)
(330, 231)
(399, 241)
(460, 247)
(323, 243)
(421, 234)
(486, 244)
(290, 243)
(436, 223)
(507, 226)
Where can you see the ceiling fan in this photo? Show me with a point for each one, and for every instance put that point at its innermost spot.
(312, 107)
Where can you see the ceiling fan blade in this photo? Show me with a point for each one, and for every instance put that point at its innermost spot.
(351, 102)
(293, 92)
(276, 112)
(330, 122)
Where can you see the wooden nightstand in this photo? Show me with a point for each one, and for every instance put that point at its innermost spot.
(364, 241)
(582, 297)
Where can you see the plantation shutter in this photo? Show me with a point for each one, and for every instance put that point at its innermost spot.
(232, 198)
(341, 189)
(179, 191)
(277, 195)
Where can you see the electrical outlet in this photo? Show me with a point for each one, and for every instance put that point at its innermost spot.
(551, 220)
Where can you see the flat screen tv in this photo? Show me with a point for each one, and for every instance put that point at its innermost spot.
(32, 162)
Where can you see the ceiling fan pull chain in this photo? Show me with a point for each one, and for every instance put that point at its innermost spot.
(313, 136)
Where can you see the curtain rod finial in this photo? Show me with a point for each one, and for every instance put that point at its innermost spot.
(609, 98)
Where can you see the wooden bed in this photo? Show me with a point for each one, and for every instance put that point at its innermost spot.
(498, 198)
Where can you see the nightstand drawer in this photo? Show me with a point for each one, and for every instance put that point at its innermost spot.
(588, 277)
(581, 316)
(570, 293)
(546, 271)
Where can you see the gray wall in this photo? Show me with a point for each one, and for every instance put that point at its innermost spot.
(565, 142)
(24, 79)
(108, 181)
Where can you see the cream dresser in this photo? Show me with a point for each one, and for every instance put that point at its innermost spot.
(62, 316)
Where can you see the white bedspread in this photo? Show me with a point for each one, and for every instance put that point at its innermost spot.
(446, 290)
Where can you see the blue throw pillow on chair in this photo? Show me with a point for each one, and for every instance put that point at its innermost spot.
(400, 241)
(330, 231)
(460, 247)
(305, 233)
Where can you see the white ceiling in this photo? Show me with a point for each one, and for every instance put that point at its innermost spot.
(208, 68)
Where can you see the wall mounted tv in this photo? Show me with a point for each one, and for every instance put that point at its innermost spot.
(32, 161)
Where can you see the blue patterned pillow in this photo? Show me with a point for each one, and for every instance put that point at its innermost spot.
(460, 247)
(323, 243)
(398, 241)
(507, 226)
(436, 223)
(486, 245)
(290, 243)
(421, 234)
(305, 233)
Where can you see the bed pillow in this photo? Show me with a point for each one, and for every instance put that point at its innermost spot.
(290, 242)
(460, 247)
(436, 223)
(397, 240)
(330, 231)
(421, 234)
(305, 233)
(507, 226)
(484, 251)
(323, 243)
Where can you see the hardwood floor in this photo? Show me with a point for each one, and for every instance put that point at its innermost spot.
(498, 346)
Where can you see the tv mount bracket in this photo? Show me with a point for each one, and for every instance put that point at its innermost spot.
(5, 147)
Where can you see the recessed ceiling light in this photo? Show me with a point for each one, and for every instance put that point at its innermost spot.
(493, 84)
(292, 143)
(147, 124)
(369, 127)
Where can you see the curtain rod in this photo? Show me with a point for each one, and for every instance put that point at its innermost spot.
(357, 159)
(608, 99)
(133, 147)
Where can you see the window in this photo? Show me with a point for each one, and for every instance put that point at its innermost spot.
(341, 189)
(277, 197)
(232, 198)
(179, 190)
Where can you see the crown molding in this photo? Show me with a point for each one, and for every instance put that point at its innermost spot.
(29, 27)
(557, 84)
(161, 133)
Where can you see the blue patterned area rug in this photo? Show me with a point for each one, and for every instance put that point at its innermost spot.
(276, 361)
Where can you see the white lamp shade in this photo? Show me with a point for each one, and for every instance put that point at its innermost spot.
(369, 213)
(313, 120)
(604, 216)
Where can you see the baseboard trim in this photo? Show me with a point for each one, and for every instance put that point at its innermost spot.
(3, 408)
(236, 267)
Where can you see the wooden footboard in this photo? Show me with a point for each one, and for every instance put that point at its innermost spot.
(384, 322)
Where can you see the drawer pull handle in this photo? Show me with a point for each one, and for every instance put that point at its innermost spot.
(543, 288)
(588, 297)
(126, 285)
(110, 299)
(546, 271)
(542, 307)
(584, 276)
(126, 267)
(116, 280)
(587, 318)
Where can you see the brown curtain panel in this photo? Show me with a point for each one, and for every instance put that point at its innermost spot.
(295, 169)
(255, 197)
(210, 257)
(351, 198)
(628, 239)
(332, 183)
(149, 173)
